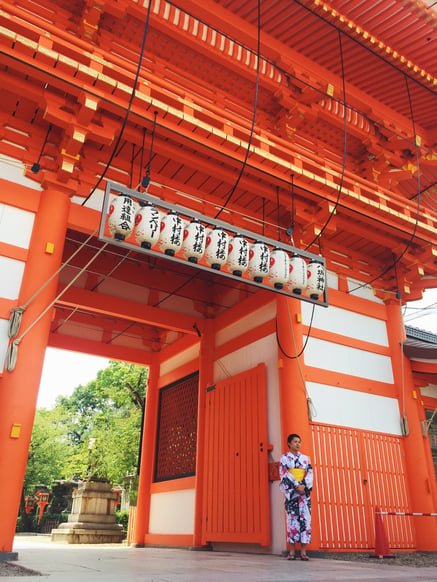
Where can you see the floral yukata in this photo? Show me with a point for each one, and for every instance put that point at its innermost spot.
(297, 507)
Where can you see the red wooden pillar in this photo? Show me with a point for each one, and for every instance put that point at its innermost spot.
(417, 452)
(206, 378)
(292, 389)
(148, 447)
(19, 388)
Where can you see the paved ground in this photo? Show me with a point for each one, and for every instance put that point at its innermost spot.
(110, 563)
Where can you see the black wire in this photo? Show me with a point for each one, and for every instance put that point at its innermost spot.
(140, 59)
(340, 187)
(413, 234)
(45, 142)
(306, 340)
(258, 58)
(277, 205)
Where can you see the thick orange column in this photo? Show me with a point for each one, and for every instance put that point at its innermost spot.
(19, 388)
(292, 390)
(147, 453)
(417, 451)
(206, 378)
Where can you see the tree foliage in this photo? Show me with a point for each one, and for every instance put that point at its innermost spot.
(105, 413)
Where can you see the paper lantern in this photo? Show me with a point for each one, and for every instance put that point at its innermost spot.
(193, 245)
(147, 225)
(316, 279)
(121, 218)
(216, 252)
(297, 280)
(170, 238)
(259, 261)
(238, 258)
(279, 268)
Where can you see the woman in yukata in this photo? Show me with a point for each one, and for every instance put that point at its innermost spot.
(296, 476)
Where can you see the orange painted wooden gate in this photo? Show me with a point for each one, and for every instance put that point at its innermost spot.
(357, 471)
(236, 496)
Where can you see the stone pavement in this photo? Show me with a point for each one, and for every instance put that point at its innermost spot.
(115, 562)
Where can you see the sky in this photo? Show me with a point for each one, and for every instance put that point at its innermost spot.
(63, 370)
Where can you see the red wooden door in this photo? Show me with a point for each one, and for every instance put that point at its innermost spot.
(236, 497)
(356, 471)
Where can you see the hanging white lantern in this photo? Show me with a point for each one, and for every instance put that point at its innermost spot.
(147, 225)
(238, 258)
(297, 280)
(193, 245)
(170, 238)
(279, 268)
(259, 261)
(121, 217)
(316, 279)
(216, 252)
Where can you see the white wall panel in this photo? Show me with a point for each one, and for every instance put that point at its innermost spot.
(365, 292)
(13, 171)
(343, 407)
(172, 512)
(258, 317)
(347, 323)
(430, 390)
(179, 360)
(347, 360)
(16, 226)
(11, 275)
(4, 342)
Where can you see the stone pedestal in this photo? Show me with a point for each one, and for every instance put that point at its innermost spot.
(92, 519)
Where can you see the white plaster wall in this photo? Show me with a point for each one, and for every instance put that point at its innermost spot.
(347, 323)
(11, 275)
(430, 390)
(179, 360)
(354, 409)
(16, 226)
(346, 360)
(331, 281)
(365, 292)
(4, 342)
(258, 317)
(172, 512)
(13, 170)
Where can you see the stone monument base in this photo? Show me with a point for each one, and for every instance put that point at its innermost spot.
(92, 519)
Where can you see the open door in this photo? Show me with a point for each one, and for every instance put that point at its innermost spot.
(236, 496)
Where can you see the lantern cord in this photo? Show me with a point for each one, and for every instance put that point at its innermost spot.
(17, 312)
(36, 165)
(413, 234)
(249, 143)
(146, 179)
(290, 229)
(142, 160)
(297, 356)
(132, 166)
(277, 206)
(312, 412)
(345, 111)
(13, 347)
(128, 110)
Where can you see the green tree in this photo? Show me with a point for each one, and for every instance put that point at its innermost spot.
(107, 412)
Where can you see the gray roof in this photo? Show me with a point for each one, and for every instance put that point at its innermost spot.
(420, 344)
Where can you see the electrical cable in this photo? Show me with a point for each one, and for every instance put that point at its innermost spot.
(13, 347)
(298, 355)
(128, 110)
(340, 187)
(416, 222)
(252, 128)
(17, 312)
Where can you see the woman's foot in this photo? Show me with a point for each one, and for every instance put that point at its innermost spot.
(291, 557)
(304, 558)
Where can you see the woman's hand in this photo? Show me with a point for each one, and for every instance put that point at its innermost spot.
(300, 489)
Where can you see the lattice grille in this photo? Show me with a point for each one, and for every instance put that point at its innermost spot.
(177, 430)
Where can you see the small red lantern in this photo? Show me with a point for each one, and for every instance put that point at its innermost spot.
(29, 503)
(42, 502)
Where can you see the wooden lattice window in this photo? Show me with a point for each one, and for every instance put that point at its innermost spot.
(177, 430)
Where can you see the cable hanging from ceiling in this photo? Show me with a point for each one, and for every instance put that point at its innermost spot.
(255, 107)
(129, 107)
(416, 222)
(345, 113)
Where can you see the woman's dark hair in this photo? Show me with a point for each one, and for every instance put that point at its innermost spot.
(292, 436)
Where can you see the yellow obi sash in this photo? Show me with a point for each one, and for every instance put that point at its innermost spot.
(298, 474)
